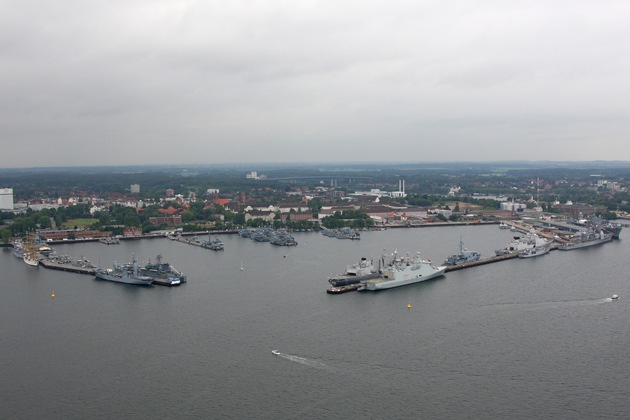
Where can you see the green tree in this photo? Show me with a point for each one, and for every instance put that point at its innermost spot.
(188, 216)
(131, 220)
(5, 235)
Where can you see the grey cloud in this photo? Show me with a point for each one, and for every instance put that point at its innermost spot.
(244, 81)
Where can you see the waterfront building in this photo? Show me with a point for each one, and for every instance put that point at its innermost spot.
(267, 216)
(131, 231)
(175, 220)
(512, 206)
(71, 234)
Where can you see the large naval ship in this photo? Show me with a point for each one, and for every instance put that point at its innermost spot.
(124, 273)
(402, 271)
(162, 270)
(586, 238)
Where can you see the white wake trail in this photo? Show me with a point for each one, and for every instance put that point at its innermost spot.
(306, 362)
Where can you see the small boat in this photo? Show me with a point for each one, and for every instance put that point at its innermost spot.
(276, 352)
(614, 297)
(343, 289)
(109, 240)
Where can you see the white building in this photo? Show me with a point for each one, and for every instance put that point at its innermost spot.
(254, 175)
(6, 198)
(42, 206)
(134, 188)
(453, 191)
(401, 190)
(373, 192)
(512, 206)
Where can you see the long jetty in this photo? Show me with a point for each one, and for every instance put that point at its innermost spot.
(483, 261)
(46, 263)
(191, 242)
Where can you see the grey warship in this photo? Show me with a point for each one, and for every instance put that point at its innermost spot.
(124, 273)
(355, 273)
(162, 270)
(464, 256)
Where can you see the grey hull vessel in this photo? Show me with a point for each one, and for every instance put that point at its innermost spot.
(124, 273)
(404, 271)
(355, 273)
(162, 270)
(586, 238)
(464, 256)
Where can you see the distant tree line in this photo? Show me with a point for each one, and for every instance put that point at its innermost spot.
(355, 219)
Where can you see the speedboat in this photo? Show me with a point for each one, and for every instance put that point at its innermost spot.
(614, 297)
(275, 352)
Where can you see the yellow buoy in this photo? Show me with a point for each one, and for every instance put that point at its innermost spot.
(52, 295)
(409, 306)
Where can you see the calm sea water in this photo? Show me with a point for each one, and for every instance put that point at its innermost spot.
(534, 338)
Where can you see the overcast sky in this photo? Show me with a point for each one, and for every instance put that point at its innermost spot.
(120, 82)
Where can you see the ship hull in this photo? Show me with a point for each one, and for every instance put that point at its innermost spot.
(578, 245)
(389, 284)
(162, 272)
(343, 289)
(349, 280)
(355, 273)
(457, 259)
(33, 262)
(138, 281)
(533, 253)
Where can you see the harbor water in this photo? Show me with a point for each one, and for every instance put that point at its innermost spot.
(519, 339)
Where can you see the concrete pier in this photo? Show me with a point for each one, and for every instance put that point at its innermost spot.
(483, 261)
(46, 263)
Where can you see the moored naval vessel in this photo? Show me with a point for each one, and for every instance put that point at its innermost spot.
(214, 244)
(18, 248)
(342, 233)
(586, 238)
(404, 271)
(464, 256)
(162, 270)
(531, 240)
(536, 251)
(30, 255)
(355, 273)
(608, 226)
(124, 273)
